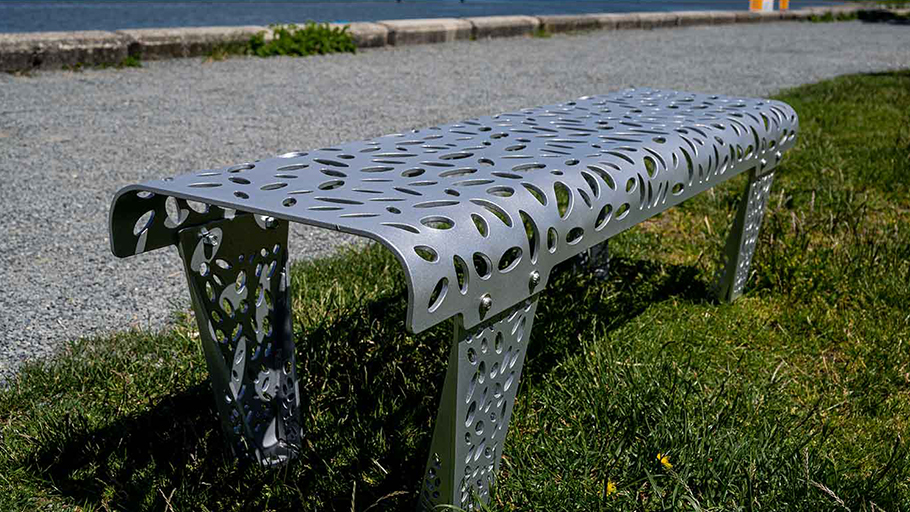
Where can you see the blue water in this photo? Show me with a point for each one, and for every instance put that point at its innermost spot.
(50, 15)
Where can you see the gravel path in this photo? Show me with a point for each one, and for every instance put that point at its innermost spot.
(68, 140)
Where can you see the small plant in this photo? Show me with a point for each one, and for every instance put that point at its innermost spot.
(311, 39)
(829, 17)
(130, 62)
(541, 32)
(223, 51)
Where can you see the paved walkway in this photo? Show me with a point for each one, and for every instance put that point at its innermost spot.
(68, 141)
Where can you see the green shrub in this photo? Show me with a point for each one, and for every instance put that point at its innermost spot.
(311, 39)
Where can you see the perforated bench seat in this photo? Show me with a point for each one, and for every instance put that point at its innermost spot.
(478, 213)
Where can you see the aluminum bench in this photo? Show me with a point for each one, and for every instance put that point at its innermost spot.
(478, 213)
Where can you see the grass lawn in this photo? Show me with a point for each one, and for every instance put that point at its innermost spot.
(795, 397)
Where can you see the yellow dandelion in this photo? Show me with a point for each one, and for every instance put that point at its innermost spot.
(665, 460)
(611, 487)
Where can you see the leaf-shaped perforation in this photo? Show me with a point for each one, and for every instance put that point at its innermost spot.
(564, 199)
(584, 197)
(495, 209)
(592, 183)
(438, 294)
(427, 253)
(481, 224)
(574, 235)
(462, 275)
(535, 191)
(501, 191)
(482, 265)
(439, 222)
(533, 234)
(553, 239)
(604, 175)
(459, 172)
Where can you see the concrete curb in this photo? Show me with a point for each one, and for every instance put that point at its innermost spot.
(431, 30)
(502, 26)
(166, 43)
(20, 52)
(50, 50)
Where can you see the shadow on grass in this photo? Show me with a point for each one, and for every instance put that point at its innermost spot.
(368, 409)
(883, 16)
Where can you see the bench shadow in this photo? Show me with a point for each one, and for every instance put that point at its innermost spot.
(883, 16)
(178, 443)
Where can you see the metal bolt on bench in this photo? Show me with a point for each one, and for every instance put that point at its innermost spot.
(478, 213)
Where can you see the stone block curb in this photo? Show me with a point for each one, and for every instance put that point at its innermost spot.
(54, 50)
(723, 17)
(557, 23)
(693, 18)
(49, 50)
(165, 43)
(502, 26)
(748, 17)
(365, 34)
(795, 15)
(652, 20)
(430, 30)
(624, 21)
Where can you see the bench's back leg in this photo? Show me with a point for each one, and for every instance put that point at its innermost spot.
(595, 260)
(743, 236)
(475, 408)
(237, 273)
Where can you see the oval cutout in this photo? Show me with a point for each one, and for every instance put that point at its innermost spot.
(510, 259)
(501, 191)
(438, 222)
(426, 253)
(563, 199)
(495, 210)
(574, 236)
(403, 227)
(438, 295)
(603, 217)
(622, 211)
(144, 222)
(461, 274)
(532, 233)
(536, 192)
(552, 239)
(482, 265)
(481, 224)
(412, 173)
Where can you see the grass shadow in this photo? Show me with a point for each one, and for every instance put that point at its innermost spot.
(368, 397)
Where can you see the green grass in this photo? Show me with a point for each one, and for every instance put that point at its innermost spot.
(829, 17)
(541, 32)
(310, 39)
(795, 397)
(291, 40)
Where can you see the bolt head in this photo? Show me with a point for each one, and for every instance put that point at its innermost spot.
(535, 278)
(210, 239)
(270, 222)
(486, 302)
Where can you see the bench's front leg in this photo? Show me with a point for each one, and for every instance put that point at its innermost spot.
(743, 236)
(477, 399)
(237, 273)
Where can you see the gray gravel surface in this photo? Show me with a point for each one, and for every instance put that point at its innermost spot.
(69, 140)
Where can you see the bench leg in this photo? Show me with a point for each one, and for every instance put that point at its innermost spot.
(596, 260)
(477, 400)
(742, 238)
(237, 273)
